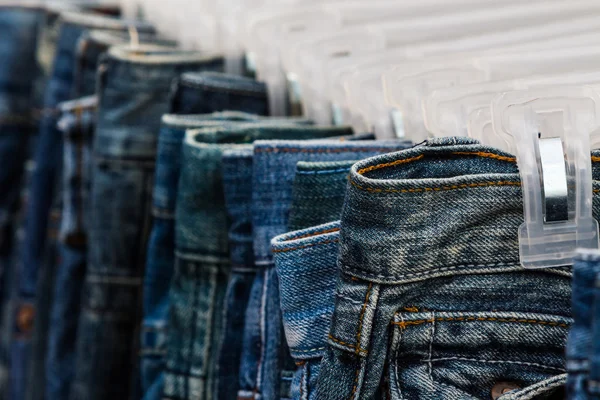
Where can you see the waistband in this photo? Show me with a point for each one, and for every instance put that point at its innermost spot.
(450, 206)
(192, 120)
(107, 39)
(149, 67)
(307, 270)
(274, 169)
(225, 83)
(95, 21)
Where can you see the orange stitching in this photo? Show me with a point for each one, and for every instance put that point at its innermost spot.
(315, 234)
(437, 189)
(595, 158)
(357, 349)
(404, 324)
(300, 363)
(390, 164)
(344, 150)
(305, 246)
(411, 309)
(486, 155)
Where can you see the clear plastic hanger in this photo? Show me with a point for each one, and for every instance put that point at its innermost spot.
(408, 84)
(314, 58)
(551, 130)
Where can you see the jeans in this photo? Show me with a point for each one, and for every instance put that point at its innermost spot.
(161, 246)
(207, 92)
(18, 72)
(267, 368)
(38, 251)
(582, 363)
(133, 95)
(307, 272)
(431, 300)
(202, 264)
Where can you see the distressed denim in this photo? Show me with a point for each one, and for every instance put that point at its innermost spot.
(307, 271)
(431, 299)
(38, 252)
(133, 92)
(77, 128)
(161, 246)
(208, 92)
(202, 264)
(267, 368)
(582, 346)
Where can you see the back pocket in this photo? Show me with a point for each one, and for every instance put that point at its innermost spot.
(478, 355)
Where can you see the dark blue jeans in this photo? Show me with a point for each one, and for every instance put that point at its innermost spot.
(431, 299)
(133, 95)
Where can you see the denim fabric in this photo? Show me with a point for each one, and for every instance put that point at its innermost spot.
(207, 92)
(318, 193)
(133, 93)
(161, 246)
(431, 300)
(18, 72)
(307, 271)
(38, 251)
(202, 263)
(92, 45)
(237, 186)
(582, 346)
(267, 368)
(77, 127)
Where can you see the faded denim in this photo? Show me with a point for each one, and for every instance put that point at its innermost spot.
(307, 271)
(133, 92)
(202, 265)
(161, 246)
(267, 368)
(431, 300)
(583, 366)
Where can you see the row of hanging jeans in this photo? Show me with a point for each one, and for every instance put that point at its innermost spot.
(163, 237)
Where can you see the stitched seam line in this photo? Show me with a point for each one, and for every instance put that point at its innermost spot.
(305, 246)
(437, 189)
(390, 164)
(433, 271)
(404, 324)
(358, 334)
(216, 89)
(295, 150)
(486, 155)
(315, 234)
(349, 345)
(308, 350)
(323, 171)
(498, 362)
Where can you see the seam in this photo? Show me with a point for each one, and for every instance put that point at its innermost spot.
(403, 324)
(486, 154)
(308, 350)
(315, 234)
(358, 344)
(362, 171)
(305, 246)
(297, 150)
(433, 271)
(498, 362)
(215, 88)
(437, 189)
(429, 360)
(323, 171)
(356, 349)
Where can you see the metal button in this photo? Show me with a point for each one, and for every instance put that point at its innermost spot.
(501, 388)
